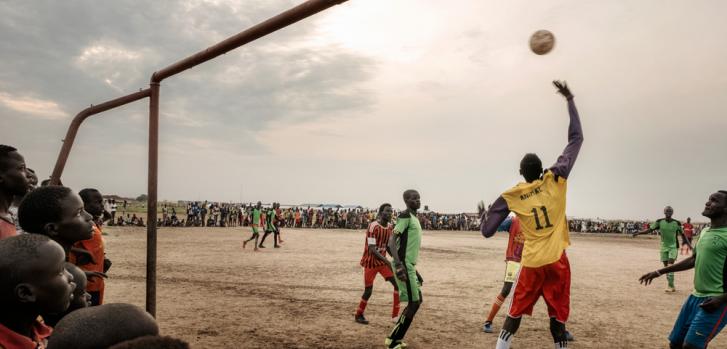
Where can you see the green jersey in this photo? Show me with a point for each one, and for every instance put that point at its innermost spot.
(668, 231)
(255, 216)
(269, 220)
(410, 237)
(710, 268)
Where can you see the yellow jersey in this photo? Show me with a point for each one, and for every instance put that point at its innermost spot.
(540, 206)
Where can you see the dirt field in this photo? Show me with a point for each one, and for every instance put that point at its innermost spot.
(216, 295)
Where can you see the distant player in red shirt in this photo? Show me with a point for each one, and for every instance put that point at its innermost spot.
(687, 234)
(374, 261)
(513, 255)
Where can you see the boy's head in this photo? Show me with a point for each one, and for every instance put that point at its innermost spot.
(385, 212)
(14, 176)
(531, 167)
(56, 212)
(102, 326)
(668, 212)
(32, 179)
(33, 278)
(412, 199)
(81, 298)
(92, 201)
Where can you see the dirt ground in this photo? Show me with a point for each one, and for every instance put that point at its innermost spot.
(214, 294)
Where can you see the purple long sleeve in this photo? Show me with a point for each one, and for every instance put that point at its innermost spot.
(565, 162)
(491, 219)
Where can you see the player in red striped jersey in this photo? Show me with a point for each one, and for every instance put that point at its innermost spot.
(374, 261)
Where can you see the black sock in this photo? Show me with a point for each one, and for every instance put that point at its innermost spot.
(399, 331)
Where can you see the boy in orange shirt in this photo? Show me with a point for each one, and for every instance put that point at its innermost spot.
(90, 255)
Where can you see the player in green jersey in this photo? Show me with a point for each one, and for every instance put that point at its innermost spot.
(702, 316)
(406, 241)
(270, 226)
(254, 225)
(668, 229)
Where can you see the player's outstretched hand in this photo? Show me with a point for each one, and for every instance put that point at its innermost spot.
(711, 304)
(563, 89)
(648, 277)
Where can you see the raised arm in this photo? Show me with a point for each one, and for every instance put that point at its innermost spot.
(564, 164)
(490, 220)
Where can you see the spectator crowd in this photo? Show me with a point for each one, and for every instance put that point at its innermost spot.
(216, 214)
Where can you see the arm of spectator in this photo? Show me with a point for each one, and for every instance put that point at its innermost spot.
(490, 220)
(565, 162)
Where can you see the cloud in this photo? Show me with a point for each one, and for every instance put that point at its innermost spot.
(117, 66)
(44, 109)
(77, 53)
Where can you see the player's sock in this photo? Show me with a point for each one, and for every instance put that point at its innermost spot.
(670, 279)
(561, 345)
(395, 309)
(361, 307)
(504, 340)
(400, 328)
(495, 307)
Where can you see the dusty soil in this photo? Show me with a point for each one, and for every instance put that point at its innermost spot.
(214, 294)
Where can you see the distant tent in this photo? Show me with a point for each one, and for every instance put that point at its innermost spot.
(349, 207)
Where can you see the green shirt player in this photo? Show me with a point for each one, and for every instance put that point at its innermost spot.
(702, 316)
(255, 224)
(668, 229)
(270, 222)
(405, 241)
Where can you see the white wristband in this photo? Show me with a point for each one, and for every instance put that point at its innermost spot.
(657, 273)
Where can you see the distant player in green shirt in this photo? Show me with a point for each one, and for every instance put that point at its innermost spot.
(668, 229)
(254, 225)
(270, 226)
(703, 314)
(405, 242)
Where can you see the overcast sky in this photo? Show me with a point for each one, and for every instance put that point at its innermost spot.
(372, 97)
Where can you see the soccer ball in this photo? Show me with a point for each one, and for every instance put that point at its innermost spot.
(541, 42)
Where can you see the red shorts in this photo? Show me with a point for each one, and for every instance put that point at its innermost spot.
(551, 281)
(370, 274)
